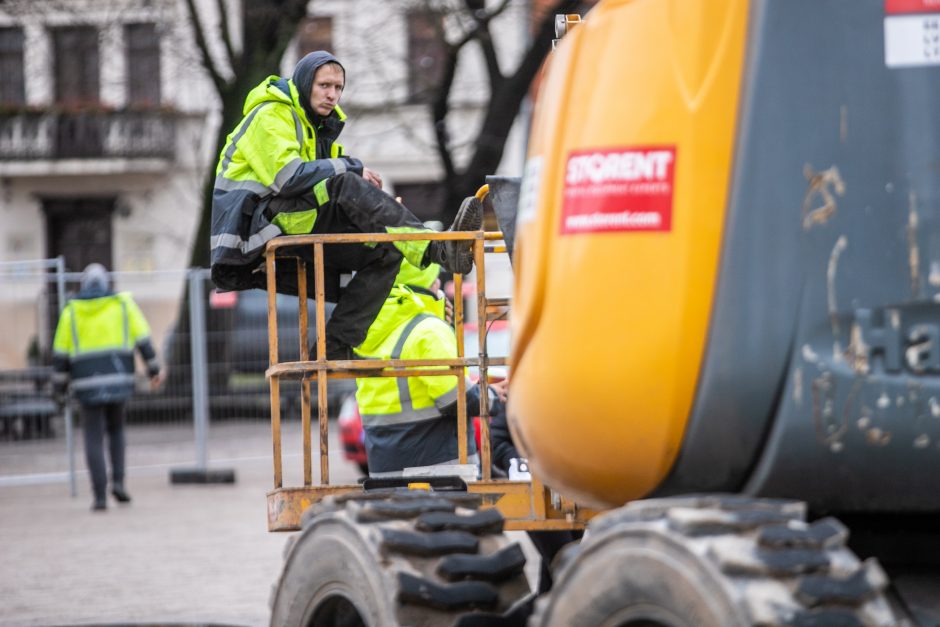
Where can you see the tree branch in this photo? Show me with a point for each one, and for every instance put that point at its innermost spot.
(481, 20)
(485, 39)
(481, 32)
(270, 27)
(542, 41)
(496, 11)
(207, 62)
(439, 110)
(513, 89)
(226, 36)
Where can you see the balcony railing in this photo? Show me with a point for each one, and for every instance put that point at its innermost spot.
(87, 135)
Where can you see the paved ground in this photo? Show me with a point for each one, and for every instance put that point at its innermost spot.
(177, 554)
(180, 554)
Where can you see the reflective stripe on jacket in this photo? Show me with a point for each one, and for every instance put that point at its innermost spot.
(95, 341)
(402, 416)
(273, 152)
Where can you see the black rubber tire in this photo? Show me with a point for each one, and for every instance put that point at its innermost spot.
(398, 558)
(713, 561)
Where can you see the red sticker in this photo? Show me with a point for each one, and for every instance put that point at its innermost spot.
(619, 189)
(896, 7)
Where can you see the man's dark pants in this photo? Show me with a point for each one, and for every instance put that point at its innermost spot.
(96, 420)
(355, 206)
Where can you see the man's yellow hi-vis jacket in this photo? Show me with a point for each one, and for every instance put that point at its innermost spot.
(412, 421)
(273, 152)
(94, 343)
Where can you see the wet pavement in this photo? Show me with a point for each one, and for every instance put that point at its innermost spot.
(192, 554)
(178, 554)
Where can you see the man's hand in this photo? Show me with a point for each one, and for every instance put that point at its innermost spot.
(372, 177)
(448, 311)
(156, 381)
(501, 389)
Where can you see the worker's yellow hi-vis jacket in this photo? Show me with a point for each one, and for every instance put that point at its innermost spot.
(94, 343)
(274, 151)
(410, 421)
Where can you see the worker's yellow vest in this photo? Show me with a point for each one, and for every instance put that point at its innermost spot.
(98, 336)
(409, 326)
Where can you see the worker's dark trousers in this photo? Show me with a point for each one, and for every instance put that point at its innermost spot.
(548, 544)
(355, 206)
(96, 419)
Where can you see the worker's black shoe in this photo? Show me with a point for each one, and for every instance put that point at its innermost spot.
(120, 493)
(456, 256)
(99, 505)
(338, 351)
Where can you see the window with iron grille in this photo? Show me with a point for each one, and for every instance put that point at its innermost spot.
(12, 89)
(315, 33)
(76, 65)
(426, 54)
(142, 45)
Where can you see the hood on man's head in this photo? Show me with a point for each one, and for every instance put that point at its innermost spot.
(303, 75)
(94, 276)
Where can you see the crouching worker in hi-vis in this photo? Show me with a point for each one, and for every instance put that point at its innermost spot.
(412, 422)
(93, 353)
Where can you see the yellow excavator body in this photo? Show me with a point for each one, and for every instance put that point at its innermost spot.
(606, 345)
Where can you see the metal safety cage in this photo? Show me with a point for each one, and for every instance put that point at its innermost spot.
(525, 505)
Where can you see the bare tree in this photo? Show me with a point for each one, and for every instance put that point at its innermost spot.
(508, 89)
(234, 65)
(267, 27)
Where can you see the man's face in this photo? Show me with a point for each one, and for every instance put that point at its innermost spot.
(328, 85)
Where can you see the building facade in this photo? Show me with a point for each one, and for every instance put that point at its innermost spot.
(107, 122)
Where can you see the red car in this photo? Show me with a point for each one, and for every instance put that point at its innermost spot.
(351, 433)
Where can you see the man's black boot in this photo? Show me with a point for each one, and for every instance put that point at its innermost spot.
(120, 493)
(456, 256)
(337, 351)
(99, 505)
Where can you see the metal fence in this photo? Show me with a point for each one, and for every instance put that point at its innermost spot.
(213, 347)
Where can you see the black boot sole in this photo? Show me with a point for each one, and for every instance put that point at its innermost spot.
(460, 252)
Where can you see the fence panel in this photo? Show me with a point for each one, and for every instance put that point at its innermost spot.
(236, 351)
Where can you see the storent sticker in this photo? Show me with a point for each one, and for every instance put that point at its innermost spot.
(619, 189)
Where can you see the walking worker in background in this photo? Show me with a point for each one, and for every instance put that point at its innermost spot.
(93, 353)
(412, 422)
(283, 172)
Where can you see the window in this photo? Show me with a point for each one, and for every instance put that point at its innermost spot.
(12, 90)
(76, 65)
(79, 229)
(142, 46)
(314, 33)
(427, 51)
